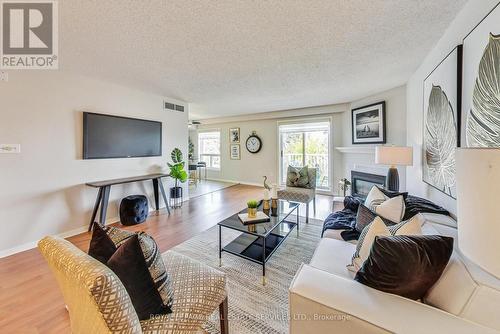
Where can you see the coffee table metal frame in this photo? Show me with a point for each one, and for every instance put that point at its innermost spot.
(248, 244)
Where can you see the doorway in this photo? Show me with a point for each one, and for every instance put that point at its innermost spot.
(306, 143)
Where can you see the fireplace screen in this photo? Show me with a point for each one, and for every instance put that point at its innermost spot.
(363, 182)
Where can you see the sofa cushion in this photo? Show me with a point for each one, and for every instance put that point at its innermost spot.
(406, 265)
(467, 291)
(331, 255)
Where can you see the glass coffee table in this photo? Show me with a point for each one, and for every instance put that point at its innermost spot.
(258, 242)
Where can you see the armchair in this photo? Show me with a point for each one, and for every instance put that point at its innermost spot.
(97, 301)
(302, 194)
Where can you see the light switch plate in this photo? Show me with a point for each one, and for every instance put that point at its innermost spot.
(10, 148)
(4, 76)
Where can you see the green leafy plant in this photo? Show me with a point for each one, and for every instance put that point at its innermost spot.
(190, 150)
(344, 185)
(177, 171)
(252, 204)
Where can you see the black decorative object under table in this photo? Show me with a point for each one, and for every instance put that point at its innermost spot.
(258, 242)
(134, 210)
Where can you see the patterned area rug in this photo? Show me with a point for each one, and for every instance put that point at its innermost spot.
(254, 308)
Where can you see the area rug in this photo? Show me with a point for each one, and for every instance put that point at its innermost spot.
(254, 308)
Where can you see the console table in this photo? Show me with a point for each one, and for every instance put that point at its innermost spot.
(105, 188)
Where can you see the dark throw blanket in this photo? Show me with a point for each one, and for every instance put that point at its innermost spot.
(346, 219)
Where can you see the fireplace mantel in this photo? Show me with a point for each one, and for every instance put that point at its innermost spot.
(356, 149)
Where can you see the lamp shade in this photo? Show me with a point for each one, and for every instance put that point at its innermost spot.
(394, 155)
(478, 198)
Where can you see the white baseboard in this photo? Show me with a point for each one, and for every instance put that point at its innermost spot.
(238, 182)
(67, 234)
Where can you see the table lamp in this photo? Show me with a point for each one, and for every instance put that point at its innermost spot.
(478, 197)
(393, 156)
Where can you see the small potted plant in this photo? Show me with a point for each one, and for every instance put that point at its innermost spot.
(344, 185)
(177, 172)
(252, 208)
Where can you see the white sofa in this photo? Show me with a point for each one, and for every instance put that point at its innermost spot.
(324, 298)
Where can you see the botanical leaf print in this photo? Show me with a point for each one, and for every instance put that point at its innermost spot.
(483, 120)
(440, 141)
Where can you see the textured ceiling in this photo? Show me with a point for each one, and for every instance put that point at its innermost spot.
(231, 57)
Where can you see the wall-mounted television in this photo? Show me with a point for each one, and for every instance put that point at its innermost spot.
(108, 136)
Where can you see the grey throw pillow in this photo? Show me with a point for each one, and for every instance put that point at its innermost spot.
(297, 177)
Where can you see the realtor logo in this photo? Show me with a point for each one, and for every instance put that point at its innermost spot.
(29, 36)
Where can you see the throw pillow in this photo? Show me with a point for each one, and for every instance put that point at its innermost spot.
(391, 194)
(133, 270)
(151, 256)
(365, 241)
(406, 265)
(297, 177)
(412, 226)
(375, 197)
(392, 209)
(101, 246)
(365, 216)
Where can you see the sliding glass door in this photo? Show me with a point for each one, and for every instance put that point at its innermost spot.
(306, 143)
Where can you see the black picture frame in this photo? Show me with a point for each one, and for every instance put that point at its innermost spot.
(457, 107)
(379, 107)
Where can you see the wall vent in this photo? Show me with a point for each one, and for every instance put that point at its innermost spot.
(173, 106)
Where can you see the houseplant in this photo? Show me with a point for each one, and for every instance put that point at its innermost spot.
(344, 185)
(252, 208)
(177, 172)
(190, 150)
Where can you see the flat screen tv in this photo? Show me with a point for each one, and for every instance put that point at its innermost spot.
(108, 136)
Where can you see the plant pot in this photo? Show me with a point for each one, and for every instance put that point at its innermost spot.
(176, 192)
(252, 212)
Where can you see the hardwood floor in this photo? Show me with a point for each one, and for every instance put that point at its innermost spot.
(30, 300)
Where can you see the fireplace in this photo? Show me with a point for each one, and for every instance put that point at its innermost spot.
(361, 183)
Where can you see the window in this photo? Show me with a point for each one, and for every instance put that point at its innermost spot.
(306, 143)
(209, 148)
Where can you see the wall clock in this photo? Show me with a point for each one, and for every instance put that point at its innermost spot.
(254, 143)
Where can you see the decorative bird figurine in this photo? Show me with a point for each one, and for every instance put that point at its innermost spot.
(265, 183)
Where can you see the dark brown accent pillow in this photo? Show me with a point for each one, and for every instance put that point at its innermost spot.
(406, 265)
(365, 216)
(391, 194)
(101, 246)
(129, 265)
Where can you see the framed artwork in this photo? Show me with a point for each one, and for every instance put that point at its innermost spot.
(368, 124)
(234, 135)
(235, 152)
(481, 84)
(442, 103)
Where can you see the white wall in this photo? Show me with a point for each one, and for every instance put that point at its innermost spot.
(42, 189)
(466, 20)
(395, 105)
(252, 167)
